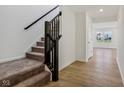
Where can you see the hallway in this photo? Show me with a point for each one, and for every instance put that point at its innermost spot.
(100, 71)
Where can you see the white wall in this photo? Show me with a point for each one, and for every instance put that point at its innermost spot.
(67, 42)
(14, 40)
(103, 27)
(83, 27)
(81, 36)
(73, 41)
(120, 58)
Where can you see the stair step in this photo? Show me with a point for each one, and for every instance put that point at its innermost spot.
(35, 81)
(40, 43)
(38, 49)
(36, 56)
(42, 39)
(16, 71)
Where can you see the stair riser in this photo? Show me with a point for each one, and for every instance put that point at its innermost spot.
(42, 39)
(39, 50)
(40, 43)
(12, 80)
(35, 57)
(42, 82)
(36, 81)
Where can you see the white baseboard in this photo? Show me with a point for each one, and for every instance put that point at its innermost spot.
(11, 59)
(65, 65)
(120, 70)
(82, 60)
(106, 47)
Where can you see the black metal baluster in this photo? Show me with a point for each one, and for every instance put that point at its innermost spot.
(52, 46)
(57, 26)
(54, 30)
(50, 33)
(55, 75)
(46, 43)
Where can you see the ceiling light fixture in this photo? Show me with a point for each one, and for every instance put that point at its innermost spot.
(101, 10)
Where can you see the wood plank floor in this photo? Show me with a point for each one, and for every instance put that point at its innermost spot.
(100, 71)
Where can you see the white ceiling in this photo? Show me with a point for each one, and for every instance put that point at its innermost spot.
(105, 25)
(110, 12)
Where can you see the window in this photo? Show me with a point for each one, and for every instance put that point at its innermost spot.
(104, 36)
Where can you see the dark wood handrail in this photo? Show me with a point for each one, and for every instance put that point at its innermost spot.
(40, 18)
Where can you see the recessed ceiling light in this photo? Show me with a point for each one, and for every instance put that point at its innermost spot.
(101, 10)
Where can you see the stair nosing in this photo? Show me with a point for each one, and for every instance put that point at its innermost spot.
(40, 41)
(35, 53)
(42, 47)
(24, 70)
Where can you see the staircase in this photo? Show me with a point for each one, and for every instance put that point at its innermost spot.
(37, 52)
(26, 72)
(30, 71)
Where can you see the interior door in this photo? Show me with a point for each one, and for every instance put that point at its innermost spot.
(90, 42)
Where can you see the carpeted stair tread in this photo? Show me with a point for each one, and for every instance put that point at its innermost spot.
(36, 56)
(18, 68)
(40, 43)
(38, 49)
(37, 80)
(36, 53)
